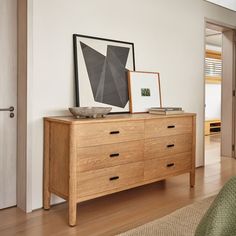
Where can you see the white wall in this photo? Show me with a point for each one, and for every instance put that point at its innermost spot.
(213, 102)
(168, 37)
(213, 93)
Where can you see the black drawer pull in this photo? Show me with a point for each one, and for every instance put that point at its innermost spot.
(171, 126)
(170, 145)
(114, 178)
(170, 165)
(114, 155)
(115, 132)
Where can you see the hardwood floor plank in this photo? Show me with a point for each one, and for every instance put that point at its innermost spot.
(122, 211)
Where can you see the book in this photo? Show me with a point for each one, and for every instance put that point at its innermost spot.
(170, 112)
(166, 109)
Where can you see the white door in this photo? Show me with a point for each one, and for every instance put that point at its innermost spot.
(8, 98)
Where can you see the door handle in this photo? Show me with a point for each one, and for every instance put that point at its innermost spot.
(10, 109)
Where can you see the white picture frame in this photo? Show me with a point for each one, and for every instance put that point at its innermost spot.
(144, 91)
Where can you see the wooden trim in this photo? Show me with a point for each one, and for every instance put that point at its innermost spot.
(213, 80)
(114, 118)
(192, 172)
(159, 83)
(46, 167)
(22, 106)
(213, 54)
(213, 120)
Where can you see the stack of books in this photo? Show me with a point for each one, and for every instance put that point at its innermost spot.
(166, 110)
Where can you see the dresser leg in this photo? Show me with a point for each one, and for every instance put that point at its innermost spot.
(72, 176)
(72, 212)
(192, 179)
(46, 199)
(46, 182)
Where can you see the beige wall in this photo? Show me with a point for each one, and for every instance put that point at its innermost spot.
(168, 37)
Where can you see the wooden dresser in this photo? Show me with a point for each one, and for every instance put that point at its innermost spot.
(89, 158)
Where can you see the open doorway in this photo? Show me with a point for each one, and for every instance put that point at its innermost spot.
(219, 92)
(213, 88)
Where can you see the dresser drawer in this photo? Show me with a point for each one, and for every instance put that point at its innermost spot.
(98, 181)
(106, 133)
(167, 145)
(164, 167)
(97, 157)
(168, 126)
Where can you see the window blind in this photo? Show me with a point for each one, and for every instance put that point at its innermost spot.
(213, 67)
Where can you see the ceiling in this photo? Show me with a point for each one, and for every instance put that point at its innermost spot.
(213, 37)
(230, 4)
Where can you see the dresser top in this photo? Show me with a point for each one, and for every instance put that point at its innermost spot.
(112, 118)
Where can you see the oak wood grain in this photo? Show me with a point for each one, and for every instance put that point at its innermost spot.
(168, 126)
(59, 158)
(114, 118)
(93, 159)
(167, 145)
(46, 170)
(72, 176)
(111, 178)
(166, 166)
(103, 156)
(107, 133)
(193, 160)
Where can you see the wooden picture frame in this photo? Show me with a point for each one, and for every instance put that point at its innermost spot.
(96, 86)
(144, 91)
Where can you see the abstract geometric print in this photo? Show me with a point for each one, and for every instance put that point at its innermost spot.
(107, 74)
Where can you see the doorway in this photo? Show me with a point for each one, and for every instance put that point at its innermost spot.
(213, 87)
(219, 97)
(8, 102)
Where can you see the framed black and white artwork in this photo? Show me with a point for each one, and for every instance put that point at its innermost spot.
(101, 67)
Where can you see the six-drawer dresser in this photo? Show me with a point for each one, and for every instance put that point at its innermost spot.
(89, 158)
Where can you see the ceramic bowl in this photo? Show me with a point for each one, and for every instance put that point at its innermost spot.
(89, 112)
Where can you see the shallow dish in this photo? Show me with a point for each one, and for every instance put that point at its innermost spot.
(89, 112)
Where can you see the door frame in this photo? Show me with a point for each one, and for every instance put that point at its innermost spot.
(223, 27)
(24, 67)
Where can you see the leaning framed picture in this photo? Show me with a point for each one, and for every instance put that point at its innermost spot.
(144, 91)
(101, 67)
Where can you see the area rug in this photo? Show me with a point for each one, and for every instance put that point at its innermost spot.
(182, 222)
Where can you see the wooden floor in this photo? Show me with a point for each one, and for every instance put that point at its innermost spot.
(121, 211)
(212, 148)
